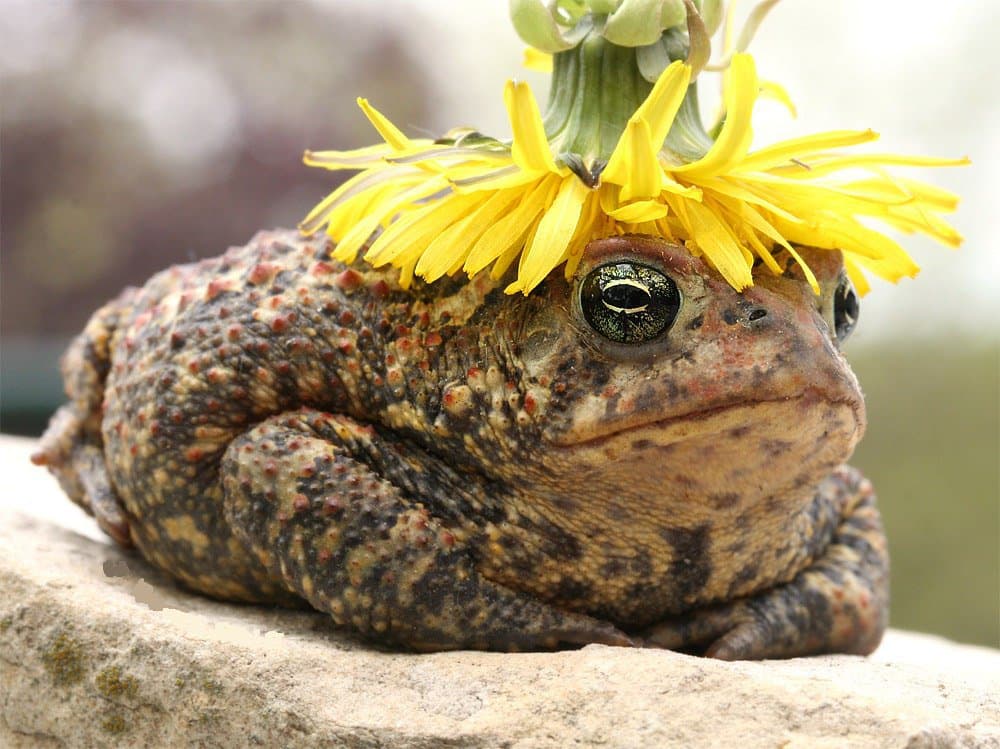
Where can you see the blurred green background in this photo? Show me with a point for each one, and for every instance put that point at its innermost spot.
(135, 134)
(931, 451)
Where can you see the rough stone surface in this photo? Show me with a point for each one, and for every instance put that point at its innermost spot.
(97, 649)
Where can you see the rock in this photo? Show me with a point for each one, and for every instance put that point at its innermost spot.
(98, 649)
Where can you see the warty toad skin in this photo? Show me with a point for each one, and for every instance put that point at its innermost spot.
(639, 455)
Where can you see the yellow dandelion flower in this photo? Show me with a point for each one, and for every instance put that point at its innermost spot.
(630, 157)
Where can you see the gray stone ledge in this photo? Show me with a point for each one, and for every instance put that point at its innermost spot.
(97, 649)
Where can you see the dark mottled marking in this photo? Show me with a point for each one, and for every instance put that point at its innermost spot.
(641, 565)
(776, 447)
(685, 481)
(648, 398)
(618, 512)
(696, 322)
(566, 503)
(781, 551)
(567, 367)
(556, 542)
(745, 577)
(724, 500)
(612, 568)
(598, 371)
(801, 481)
(611, 405)
(691, 562)
(570, 589)
(744, 520)
(729, 316)
(735, 548)
(433, 588)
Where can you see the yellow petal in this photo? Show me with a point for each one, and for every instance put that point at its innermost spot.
(354, 210)
(658, 110)
(634, 163)
(347, 248)
(588, 228)
(660, 107)
(444, 251)
(669, 184)
(801, 148)
(754, 220)
(802, 198)
(871, 249)
(453, 246)
(476, 179)
(410, 234)
(911, 218)
(746, 191)
(714, 240)
(893, 263)
(540, 62)
(389, 132)
(508, 230)
(928, 195)
(861, 284)
(643, 210)
(358, 184)
(553, 235)
(824, 164)
(764, 253)
(358, 158)
(737, 132)
(774, 90)
(530, 148)
(806, 270)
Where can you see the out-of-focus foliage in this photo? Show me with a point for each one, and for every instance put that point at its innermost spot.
(932, 451)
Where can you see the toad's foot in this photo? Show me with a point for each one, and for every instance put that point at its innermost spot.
(79, 466)
(313, 495)
(838, 604)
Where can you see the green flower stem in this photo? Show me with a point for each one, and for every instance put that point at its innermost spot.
(596, 87)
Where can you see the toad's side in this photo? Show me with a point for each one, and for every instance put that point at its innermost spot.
(639, 455)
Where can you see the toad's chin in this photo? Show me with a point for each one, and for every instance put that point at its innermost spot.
(769, 448)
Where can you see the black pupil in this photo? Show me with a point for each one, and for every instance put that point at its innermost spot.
(628, 302)
(626, 296)
(845, 309)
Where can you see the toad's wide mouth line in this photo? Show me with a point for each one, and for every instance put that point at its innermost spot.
(812, 396)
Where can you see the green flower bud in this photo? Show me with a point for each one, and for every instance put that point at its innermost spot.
(557, 25)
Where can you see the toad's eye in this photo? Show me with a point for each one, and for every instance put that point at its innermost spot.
(845, 309)
(629, 303)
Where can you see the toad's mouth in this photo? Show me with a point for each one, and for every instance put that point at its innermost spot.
(788, 416)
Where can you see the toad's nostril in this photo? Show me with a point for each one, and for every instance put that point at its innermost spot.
(756, 314)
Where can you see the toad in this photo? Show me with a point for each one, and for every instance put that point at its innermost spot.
(638, 455)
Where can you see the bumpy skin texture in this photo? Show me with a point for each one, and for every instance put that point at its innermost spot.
(451, 467)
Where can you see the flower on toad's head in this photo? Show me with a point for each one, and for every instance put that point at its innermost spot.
(468, 202)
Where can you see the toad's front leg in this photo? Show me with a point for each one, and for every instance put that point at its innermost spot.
(304, 494)
(838, 604)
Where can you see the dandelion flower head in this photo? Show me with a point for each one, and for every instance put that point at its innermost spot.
(621, 149)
